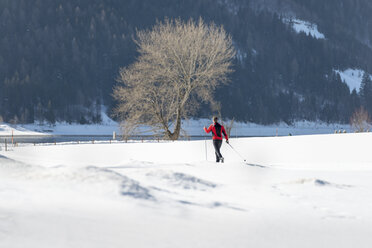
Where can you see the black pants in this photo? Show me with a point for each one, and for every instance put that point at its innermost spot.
(217, 145)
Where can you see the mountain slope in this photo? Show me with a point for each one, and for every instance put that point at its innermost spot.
(59, 59)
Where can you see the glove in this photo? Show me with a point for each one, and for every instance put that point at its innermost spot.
(227, 141)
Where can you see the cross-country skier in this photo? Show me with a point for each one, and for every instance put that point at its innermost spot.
(217, 130)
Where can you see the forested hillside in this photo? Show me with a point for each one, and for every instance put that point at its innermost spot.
(59, 59)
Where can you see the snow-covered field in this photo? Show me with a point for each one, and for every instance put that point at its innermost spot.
(107, 127)
(314, 191)
(6, 129)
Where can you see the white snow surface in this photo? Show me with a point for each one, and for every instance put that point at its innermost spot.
(107, 127)
(314, 191)
(305, 27)
(7, 129)
(352, 77)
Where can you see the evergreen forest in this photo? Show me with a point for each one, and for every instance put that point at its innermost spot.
(59, 59)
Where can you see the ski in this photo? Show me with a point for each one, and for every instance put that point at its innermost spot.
(255, 165)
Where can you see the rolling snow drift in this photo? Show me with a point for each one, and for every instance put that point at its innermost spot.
(312, 191)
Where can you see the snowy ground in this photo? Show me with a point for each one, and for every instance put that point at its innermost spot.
(6, 129)
(107, 127)
(314, 192)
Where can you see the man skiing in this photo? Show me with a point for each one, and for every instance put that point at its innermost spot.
(217, 130)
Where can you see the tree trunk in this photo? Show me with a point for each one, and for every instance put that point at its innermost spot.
(177, 129)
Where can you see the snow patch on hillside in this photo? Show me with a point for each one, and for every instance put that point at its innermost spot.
(352, 77)
(240, 55)
(305, 27)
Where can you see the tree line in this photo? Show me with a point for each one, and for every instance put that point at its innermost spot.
(59, 60)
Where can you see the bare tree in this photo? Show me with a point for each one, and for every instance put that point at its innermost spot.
(360, 121)
(180, 64)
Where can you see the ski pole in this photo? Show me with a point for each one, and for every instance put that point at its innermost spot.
(205, 144)
(237, 152)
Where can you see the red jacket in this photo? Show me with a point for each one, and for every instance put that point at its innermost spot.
(217, 130)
